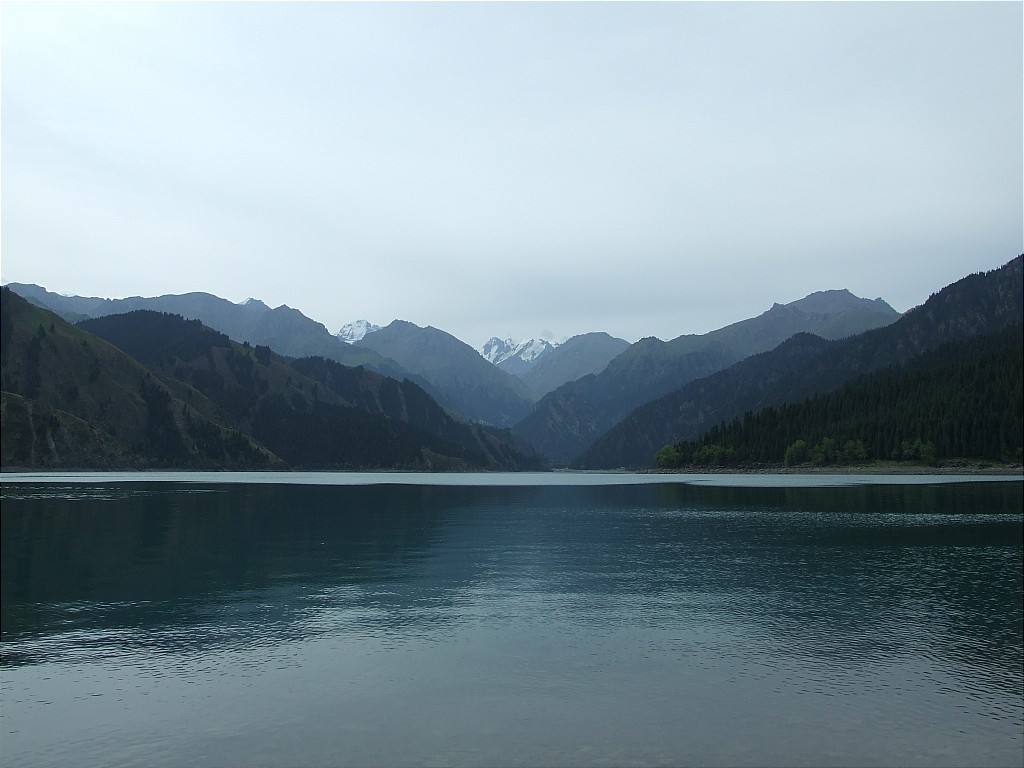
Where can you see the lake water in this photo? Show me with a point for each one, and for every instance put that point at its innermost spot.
(555, 620)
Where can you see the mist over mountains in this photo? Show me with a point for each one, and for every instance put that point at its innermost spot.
(204, 382)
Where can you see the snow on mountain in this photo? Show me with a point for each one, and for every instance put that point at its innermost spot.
(531, 349)
(351, 332)
(252, 303)
(515, 356)
(495, 350)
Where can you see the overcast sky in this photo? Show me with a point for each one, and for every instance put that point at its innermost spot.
(511, 169)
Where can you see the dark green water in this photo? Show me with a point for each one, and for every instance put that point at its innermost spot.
(166, 623)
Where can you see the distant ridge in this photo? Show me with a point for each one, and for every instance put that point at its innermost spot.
(285, 330)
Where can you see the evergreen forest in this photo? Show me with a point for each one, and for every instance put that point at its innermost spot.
(959, 401)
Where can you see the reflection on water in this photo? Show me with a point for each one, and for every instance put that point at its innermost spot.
(400, 624)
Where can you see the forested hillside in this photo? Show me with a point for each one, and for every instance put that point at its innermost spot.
(806, 365)
(71, 399)
(148, 389)
(313, 412)
(962, 400)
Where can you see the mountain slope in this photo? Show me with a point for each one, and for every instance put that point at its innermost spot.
(579, 356)
(312, 412)
(37, 436)
(468, 383)
(71, 399)
(806, 365)
(567, 420)
(489, 448)
(961, 400)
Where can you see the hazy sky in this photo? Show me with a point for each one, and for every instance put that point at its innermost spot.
(511, 169)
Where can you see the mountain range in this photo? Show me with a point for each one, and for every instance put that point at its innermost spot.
(285, 330)
(806, 364)
(150, 389)
(194, 380)
(443, 368)
(569, 419)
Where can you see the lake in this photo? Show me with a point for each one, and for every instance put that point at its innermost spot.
(180, 619)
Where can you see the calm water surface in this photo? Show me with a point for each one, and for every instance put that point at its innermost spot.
(214, 621)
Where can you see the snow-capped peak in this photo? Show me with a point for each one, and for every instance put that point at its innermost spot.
(531, 349)
(355, 331)
(495, 350)
(498, 351)
(252, 303)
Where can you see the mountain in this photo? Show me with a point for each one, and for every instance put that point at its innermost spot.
(311, 412)
(285, 330)
(147, 389)
(544, 365)
(516, 357)
(495, 350)
(72, 400)
(961, 400)
(567, 420)
(806, 365)
(463, 379)
(71, 308)
(580, 356)
(484, 447)
(351, 332)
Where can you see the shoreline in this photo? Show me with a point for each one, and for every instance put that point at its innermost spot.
(865, 469)
(877, 468)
